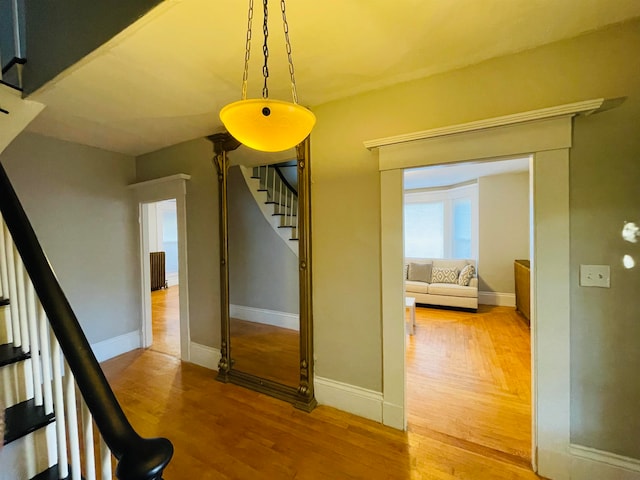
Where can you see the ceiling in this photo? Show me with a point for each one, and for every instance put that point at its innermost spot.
(164, 79)
(459, 173)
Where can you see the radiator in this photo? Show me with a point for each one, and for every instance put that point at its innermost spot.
(158, 279)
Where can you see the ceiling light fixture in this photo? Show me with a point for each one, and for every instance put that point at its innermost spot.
(261, 123)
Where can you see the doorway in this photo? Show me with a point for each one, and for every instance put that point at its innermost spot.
(172, 188)
(469, 373)
(162, 238)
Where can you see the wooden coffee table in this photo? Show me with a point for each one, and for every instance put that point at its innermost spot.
(410, 303)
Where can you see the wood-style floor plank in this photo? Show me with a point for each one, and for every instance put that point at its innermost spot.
(165, 320)
(225, 431)
(468, 380)
(222, 431)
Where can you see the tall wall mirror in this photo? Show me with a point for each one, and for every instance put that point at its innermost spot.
(266, 270)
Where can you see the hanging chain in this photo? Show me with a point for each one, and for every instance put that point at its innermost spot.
(247, 54)
(265, 50)
(294, 92)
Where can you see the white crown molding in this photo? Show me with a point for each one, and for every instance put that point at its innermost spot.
(157, 181)
(585, 108)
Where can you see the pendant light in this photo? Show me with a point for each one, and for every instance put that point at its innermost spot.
(261, 123)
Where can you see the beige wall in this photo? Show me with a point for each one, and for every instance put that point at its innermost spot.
(605, 323)
(346, 213)
(77, 200)
(346, 192)
(503, 229)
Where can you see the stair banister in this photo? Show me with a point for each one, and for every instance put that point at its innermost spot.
(138, 458)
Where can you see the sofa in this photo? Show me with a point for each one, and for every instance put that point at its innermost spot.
(442, 282)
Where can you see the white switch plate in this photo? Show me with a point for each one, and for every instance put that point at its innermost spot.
(595, 276)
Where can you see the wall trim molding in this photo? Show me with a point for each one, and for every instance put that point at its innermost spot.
(497, 298)
(112, 347)
(586, 107)
(349, 398)
(591, 463)
(207, 357)
(264, 316)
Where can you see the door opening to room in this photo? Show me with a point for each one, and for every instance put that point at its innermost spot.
(162, 242)
(469, 371)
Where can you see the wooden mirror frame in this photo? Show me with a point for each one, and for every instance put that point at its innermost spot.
(301, 397)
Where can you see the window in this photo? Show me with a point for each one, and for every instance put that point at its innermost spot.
(441, 223)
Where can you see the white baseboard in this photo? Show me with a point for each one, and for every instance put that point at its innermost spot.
(112, 347)
(393, 416)
(268, 317)
(207, 357)
(172, 279)
(592, 464)
(497, 298)
(349, 398)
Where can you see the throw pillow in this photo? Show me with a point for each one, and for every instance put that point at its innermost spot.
(466, 274)
(444, 275)
(419, 272)
(405, 272)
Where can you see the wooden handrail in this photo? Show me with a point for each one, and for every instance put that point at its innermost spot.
(138, 458)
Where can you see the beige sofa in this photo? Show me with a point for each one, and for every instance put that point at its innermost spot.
(426, 289)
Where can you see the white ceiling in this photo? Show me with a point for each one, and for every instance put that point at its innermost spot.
(164, 79)
(457, 173)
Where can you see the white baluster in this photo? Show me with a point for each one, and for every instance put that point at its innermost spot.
(4, 281)
(72, 422)
(43, 329)
(89, 454)
(13, 289)
(21, 300)
(4, 278)
(105, 457)
(58, 400)
(36, 365)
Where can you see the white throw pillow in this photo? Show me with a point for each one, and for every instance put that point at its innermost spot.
(444, 275)
(466, 275)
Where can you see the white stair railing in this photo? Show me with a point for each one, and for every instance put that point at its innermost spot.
(280, 195)
(49, 382)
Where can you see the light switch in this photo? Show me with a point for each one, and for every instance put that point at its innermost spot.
(595, 276)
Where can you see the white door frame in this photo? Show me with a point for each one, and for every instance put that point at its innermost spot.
(546, 135)
(172, 187)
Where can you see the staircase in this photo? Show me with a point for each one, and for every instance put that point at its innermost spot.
(277, 198)
(62, 419)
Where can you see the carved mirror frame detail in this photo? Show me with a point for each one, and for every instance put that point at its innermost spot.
(301, 397)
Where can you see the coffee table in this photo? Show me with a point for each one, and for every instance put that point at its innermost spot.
(410, 303)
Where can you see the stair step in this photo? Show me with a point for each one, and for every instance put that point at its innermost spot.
(10, 354)
(50, 474)
(24, 418)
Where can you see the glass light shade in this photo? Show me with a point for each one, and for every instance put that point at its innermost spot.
(267, 125)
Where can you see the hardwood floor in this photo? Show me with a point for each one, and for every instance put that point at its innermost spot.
(222, 431)
(469, 381)
(165, 315)
(266, 351)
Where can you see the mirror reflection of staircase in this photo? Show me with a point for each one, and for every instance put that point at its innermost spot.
(274, 188)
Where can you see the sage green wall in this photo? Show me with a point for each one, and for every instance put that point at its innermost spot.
(503, 229)
(263, 271)
(77, 200)
(605, 326)
(203, 245)
(346, 201)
